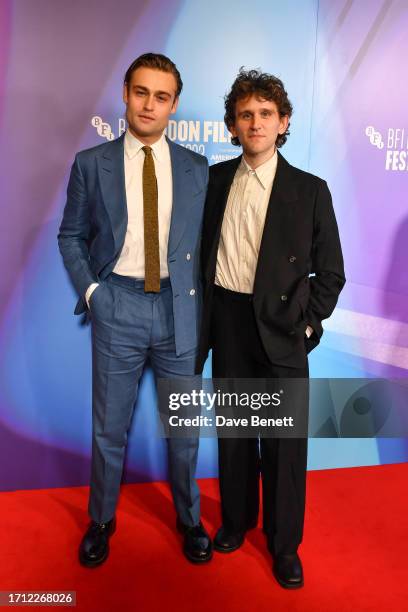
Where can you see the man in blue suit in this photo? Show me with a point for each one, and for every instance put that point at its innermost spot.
(130, 238)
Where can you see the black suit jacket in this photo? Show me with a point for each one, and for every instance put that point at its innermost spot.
(300, 269)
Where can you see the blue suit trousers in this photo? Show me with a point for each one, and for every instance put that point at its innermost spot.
(130, 327)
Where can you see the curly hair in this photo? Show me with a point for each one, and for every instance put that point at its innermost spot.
(262, 85)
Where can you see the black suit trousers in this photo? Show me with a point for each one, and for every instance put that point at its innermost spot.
(238, 353)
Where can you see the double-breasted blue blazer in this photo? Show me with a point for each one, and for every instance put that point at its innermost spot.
(94, 223)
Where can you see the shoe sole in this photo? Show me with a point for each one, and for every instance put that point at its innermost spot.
(287, 585)
(227, 550)
(195, 560)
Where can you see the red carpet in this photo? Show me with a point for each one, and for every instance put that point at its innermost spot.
(354, 551)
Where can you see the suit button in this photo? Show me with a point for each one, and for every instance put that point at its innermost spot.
(192, 292)
(292, 258)
(292, 333)
(188, 256)
(284, 298)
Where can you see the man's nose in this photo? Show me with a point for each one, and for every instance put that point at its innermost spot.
(255, 123)
(149, 102)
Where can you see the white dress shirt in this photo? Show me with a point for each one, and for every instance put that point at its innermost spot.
(243, 225)
(131, 260)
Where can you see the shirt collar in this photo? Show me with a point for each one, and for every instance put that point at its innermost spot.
(133, 146)
(265, 173)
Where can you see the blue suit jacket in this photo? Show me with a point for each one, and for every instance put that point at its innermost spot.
(94, 223)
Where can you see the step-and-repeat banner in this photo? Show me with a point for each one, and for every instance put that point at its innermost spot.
(61, 74)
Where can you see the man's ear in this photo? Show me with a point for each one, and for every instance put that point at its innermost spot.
(175, 105)
(283, 126)
(232, 130)
(125, 93)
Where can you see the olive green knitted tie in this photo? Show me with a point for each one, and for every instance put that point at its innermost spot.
(151, 224)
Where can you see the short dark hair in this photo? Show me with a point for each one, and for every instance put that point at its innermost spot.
(263, 85)
(157, 61)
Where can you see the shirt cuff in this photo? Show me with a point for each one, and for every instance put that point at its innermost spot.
(90, 291)
(308, 332)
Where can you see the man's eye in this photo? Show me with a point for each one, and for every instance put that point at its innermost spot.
(161, 99)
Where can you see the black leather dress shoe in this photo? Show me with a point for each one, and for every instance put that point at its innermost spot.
(226, 542)
(94, 548)
(197, 543)
(288, 571)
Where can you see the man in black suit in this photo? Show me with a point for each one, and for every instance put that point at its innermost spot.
(273, 270)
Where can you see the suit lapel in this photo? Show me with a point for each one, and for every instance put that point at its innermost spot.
(283, 192)
(111, 172)
(184, 188)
